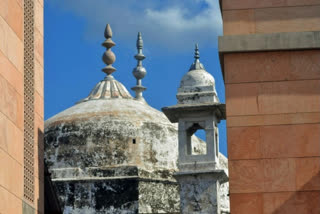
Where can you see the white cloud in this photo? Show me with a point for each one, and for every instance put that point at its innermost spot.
(170, 24)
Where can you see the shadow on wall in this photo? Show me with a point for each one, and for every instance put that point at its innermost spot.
(305, 200)
(40, 176)
(48, 200)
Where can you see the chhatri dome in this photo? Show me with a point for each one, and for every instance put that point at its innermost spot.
(197, 85)
(113, 153)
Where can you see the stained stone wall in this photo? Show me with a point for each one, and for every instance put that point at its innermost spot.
(99, 196)
(151, 193)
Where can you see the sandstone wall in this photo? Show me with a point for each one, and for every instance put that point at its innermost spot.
(273, 108)
(12, 119)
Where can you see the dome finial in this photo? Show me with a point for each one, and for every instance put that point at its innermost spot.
(196, 52)
(139, 72)
(197, 64)
(108, 57)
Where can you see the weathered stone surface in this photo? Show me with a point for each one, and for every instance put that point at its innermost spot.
(197, 86)
(205, 192)
(101, 133)
(198, 193)
(97, 197)
(151, 193)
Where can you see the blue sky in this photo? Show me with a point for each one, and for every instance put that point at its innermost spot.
(170, 28)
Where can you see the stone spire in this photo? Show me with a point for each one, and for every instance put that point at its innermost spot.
(109, 87)
(108, 57)
(139, 72)
(197, 64)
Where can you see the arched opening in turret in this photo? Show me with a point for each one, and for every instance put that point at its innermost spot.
(199, 148)
(197, 140)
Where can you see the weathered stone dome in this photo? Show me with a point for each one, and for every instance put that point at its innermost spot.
(196, 78)
(111, 132)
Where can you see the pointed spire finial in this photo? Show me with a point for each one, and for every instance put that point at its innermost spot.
(139, 72)
(196, 52)
(108, 57)
(139, 42)
(196, 65)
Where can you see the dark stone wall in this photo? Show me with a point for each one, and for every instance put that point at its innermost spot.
(107, 196)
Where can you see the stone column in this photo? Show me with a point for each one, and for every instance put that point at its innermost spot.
(199, 191)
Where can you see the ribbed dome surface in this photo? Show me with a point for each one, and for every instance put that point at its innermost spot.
(108, 89)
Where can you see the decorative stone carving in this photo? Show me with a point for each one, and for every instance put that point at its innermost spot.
(139, 72)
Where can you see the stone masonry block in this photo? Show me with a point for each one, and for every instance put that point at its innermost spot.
(290, 140)
(273, 97)
(272, 66)
(245, 203)
(279, 174)
(246, 176)
(308, 173)
(244, 143)
(238, 22)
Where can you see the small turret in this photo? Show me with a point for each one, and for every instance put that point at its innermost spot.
(198, 108)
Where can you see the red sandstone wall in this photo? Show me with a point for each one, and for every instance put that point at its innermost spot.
(273, 111)
(12, 105)
(267, 16)
(273, 125)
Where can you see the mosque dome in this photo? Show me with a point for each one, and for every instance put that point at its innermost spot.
(112, 153)
(111, 132)
(109, 127)
(197, 85)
